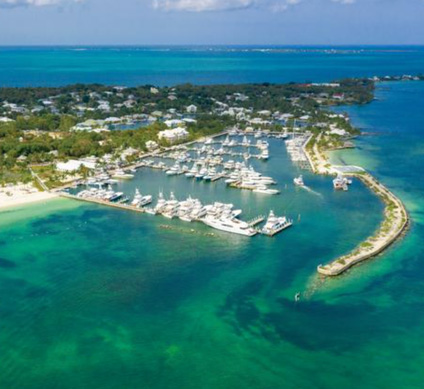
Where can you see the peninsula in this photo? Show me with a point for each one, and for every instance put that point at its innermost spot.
(396, 217)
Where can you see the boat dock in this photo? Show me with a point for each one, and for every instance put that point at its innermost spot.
(256, 221)
(125, 207)
(275, 232)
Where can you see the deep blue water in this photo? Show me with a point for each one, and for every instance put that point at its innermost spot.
(50, 66)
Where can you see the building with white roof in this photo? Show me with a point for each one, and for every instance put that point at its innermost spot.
(74, 165)
(173, 135)
(191, 109)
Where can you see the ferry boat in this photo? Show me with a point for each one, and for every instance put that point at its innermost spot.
(275, 224)
(233, 226)
(299, 181)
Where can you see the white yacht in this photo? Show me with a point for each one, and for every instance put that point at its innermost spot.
(275, 224)
(140, 200)
(198, 211)
(263, 189)
(245, 142)
(174, 170)
(117, 196)
(192, 172)
(159, 206)
(233, 226)
(264, 155)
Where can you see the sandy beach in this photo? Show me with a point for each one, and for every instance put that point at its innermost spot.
(12, 196)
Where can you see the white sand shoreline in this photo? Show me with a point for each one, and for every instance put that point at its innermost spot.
(18, 195)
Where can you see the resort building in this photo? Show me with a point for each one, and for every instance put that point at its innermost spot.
(73, 165)
(174, 135)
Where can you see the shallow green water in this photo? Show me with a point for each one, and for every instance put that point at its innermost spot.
(100, 298)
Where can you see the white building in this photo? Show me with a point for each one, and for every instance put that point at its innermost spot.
(174, 122)
(174, 135)
(191, 109)
(73, 165)
(151, 145)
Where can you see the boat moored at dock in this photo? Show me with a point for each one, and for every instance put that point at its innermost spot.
(275, 224)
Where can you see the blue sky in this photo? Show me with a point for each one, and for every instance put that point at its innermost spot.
(285, 22)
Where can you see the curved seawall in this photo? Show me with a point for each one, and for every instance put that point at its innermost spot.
(396, 218)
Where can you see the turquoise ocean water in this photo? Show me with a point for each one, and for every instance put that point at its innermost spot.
(99, 298)
(41, 66)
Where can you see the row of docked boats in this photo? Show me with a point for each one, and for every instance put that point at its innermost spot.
(295, 148)
(247, 178)
(104, 194)
(218, 215)
(101, 178)
(109, 195)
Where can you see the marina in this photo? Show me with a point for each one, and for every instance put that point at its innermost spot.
(228, 160)
(201, 163)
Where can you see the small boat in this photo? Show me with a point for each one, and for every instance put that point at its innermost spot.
(299, 181)
(341, 183)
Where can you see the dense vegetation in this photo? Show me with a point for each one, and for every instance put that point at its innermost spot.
(42, 118)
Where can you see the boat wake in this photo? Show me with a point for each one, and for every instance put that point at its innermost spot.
(308, 189)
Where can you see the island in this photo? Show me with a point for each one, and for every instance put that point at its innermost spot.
(52, 139)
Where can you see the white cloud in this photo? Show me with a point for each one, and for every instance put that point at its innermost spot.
(36, 3)
(202, 5)
(230, 5)
(344, 1)
(221, 5)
